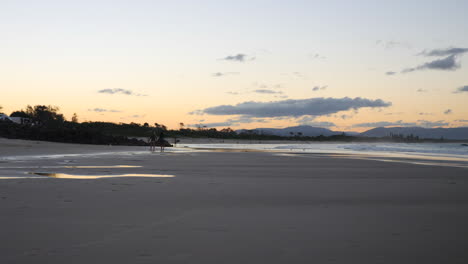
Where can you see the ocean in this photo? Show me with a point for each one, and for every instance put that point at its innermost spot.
(446, 154)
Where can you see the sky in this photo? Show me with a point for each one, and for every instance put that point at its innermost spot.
(343, 65)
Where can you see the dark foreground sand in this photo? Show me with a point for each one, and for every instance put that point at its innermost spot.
(230, 208)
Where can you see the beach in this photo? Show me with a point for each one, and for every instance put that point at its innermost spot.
(216, 206)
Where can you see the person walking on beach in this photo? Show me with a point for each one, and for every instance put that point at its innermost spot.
(161, 142)
(152, 142)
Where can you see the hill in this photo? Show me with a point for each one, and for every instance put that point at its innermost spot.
(457, 133)
(307, 131)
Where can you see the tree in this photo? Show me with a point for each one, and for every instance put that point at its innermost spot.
(45, 115)
(182, 125)
(74, 118)
(146, 124)
(20, 114)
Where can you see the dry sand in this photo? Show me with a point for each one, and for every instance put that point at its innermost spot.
(233, 207)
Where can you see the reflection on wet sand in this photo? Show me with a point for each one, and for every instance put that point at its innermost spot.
(74, 167)
(417, 160)
(44, 175)
(73, 176)
(100, 167)
(19, 178)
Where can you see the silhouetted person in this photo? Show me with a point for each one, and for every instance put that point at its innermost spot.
(161, 142)
(152, 141)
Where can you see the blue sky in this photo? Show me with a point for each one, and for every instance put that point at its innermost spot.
(64, 52)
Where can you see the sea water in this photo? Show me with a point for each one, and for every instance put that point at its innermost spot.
(420, 151)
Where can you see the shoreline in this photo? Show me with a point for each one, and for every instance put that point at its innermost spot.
(13, 149)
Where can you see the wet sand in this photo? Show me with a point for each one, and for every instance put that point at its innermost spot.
(226, 207)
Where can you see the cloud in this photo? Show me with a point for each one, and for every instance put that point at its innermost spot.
(240, 57)
(100, 110)
(430, 124)
(400, 123)
(449, 63)
(214, 124)
(264, 86)
(390, 73)
(425, 113)
(230, 122)
(462, 89)
(267, 91)
(421, 91)
(133, 116)
(444, 52)
(233, 93)
(397, 113)
(310, 121)
(448, 111)
(462, 120)
(221, 74)
(317, 56)
(317, 88)
(384, 124)
(120, 91)
(446, 64)
(312, 106)
(392, 44)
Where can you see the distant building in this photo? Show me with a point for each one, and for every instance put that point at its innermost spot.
(4, 117)
(15, 119)
(21, 120)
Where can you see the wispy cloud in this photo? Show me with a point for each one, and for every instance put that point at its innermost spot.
(317, 88)
(240, 57)
(230, 122)
(310, 121)
(462, 89)
(421, 91)
(390, 44)
(448, 111)
(222, 74)
(390, 73)
(120, 91)
(295, 108)
(444, 52)
(133, 116)
(430, 124)
(316, 56)
(267, 91)
(400, 123)
(101, 110)
(449, 63)
(385, 124)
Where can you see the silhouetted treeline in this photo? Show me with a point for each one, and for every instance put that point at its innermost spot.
(64, 134)
(46, 123)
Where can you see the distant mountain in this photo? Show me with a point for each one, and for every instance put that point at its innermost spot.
(307, 131)
(446, 133)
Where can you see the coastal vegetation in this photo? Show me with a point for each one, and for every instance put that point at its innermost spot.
(48, 124)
